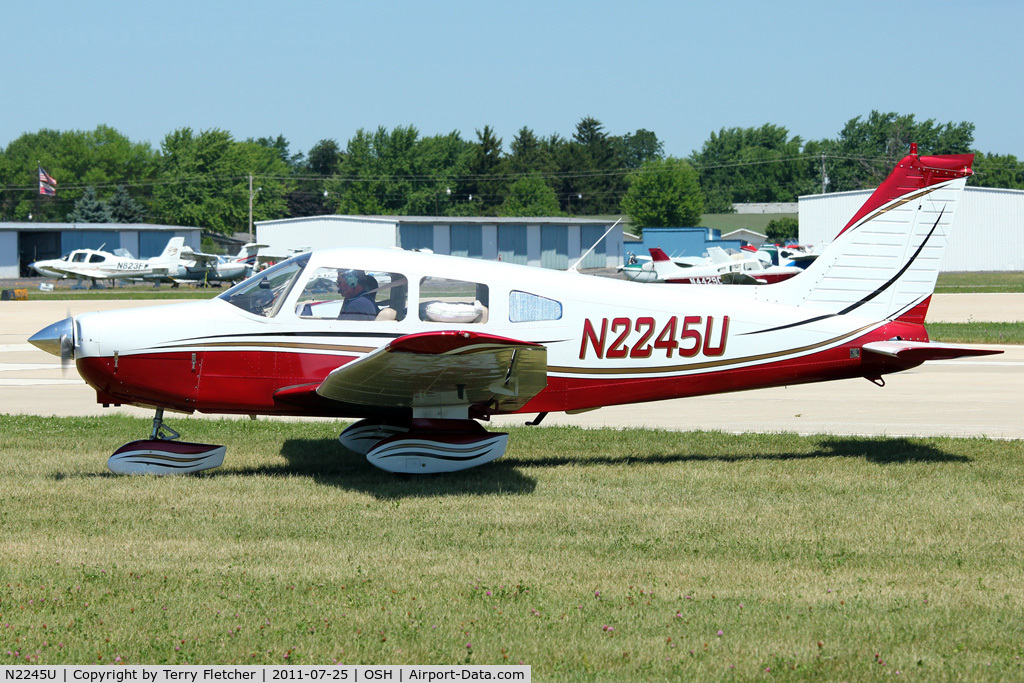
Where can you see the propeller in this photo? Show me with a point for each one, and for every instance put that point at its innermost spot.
(58, 339)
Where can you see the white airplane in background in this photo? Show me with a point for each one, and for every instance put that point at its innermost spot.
(785, 255)
(449, 341)
(721, 268)
(640, 268)
(196, 266)
(54, 267)
(96, 264)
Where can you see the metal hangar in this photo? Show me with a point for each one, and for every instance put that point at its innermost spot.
(546, 242)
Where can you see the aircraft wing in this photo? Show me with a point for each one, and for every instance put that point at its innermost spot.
(446, 368)
(738, 277)
(199, 257)
(66, 270)
(74, 270)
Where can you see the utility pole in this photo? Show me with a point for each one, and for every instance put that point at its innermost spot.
(824, 176)
(250, 207)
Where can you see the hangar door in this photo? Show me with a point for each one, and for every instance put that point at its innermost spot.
(108, 240)
(467, 241)
(35, 245)
(153, 242)
(512, 244)
(589, 234)
(416, 236)
(554, 246)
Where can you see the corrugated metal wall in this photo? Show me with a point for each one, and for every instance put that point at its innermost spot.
(467, 241)
(327, 232)
(108, 240)
(550, 245)
(416, 237)
(589, 234)
(554, 247)
(512, 244)
(988, 233)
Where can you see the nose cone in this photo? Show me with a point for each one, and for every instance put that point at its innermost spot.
(56, 338)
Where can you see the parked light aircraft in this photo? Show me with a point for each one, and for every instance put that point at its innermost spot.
(785, 255)
(196, 266)
(96, 264)
(54, 267)
(721, 269)
(454, 341)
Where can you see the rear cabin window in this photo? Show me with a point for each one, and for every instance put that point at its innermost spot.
(353, 294)
(524, 307)
(443, 300)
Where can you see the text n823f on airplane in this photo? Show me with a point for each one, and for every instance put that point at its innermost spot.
(422, 347)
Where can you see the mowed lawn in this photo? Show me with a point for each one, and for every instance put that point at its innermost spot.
(611, 555)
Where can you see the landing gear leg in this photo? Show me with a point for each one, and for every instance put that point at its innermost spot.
(162, 431)
(162, 453)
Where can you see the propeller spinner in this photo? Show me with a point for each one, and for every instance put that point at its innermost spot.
(58, 339)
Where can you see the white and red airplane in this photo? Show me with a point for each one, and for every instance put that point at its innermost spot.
(445, 342)
(722, 269)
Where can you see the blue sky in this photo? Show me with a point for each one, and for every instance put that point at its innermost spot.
(314, 70)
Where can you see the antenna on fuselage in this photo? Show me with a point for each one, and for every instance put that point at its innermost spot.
(575, 267)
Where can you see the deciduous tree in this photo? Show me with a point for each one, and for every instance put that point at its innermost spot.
(664, 193)
(530, 196)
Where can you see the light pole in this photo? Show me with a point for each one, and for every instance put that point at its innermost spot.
(448, 191)
(568, 201)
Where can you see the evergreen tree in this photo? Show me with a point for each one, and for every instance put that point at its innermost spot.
(89, 209)
(488, 191)
(123, 209)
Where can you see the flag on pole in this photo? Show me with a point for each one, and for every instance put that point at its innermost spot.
(47, 185)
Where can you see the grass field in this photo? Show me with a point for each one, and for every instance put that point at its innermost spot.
(977, 333)
(130, 292)
(590, 555)
(965, 283)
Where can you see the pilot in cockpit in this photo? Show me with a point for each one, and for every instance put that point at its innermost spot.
(358, 289)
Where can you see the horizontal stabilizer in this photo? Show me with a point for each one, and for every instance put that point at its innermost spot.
(918, 352)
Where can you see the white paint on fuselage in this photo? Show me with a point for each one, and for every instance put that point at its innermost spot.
(190, 326)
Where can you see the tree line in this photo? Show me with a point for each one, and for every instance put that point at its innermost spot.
(203, 178)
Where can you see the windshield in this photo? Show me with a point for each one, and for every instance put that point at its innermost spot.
(263, 293)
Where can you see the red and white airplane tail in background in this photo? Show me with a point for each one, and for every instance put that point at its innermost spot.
(248, 253)
(885, 261)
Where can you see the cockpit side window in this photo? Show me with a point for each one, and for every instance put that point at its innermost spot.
(343, 293)
(96, 258)
(443, 300)
(264, 292)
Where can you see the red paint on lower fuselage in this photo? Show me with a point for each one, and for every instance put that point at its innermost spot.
(245, 382)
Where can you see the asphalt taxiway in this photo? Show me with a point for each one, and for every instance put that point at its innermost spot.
(982, 396)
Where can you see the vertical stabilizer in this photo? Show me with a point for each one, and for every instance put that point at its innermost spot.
(884, 262)
(718, 256)
(171, 253)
